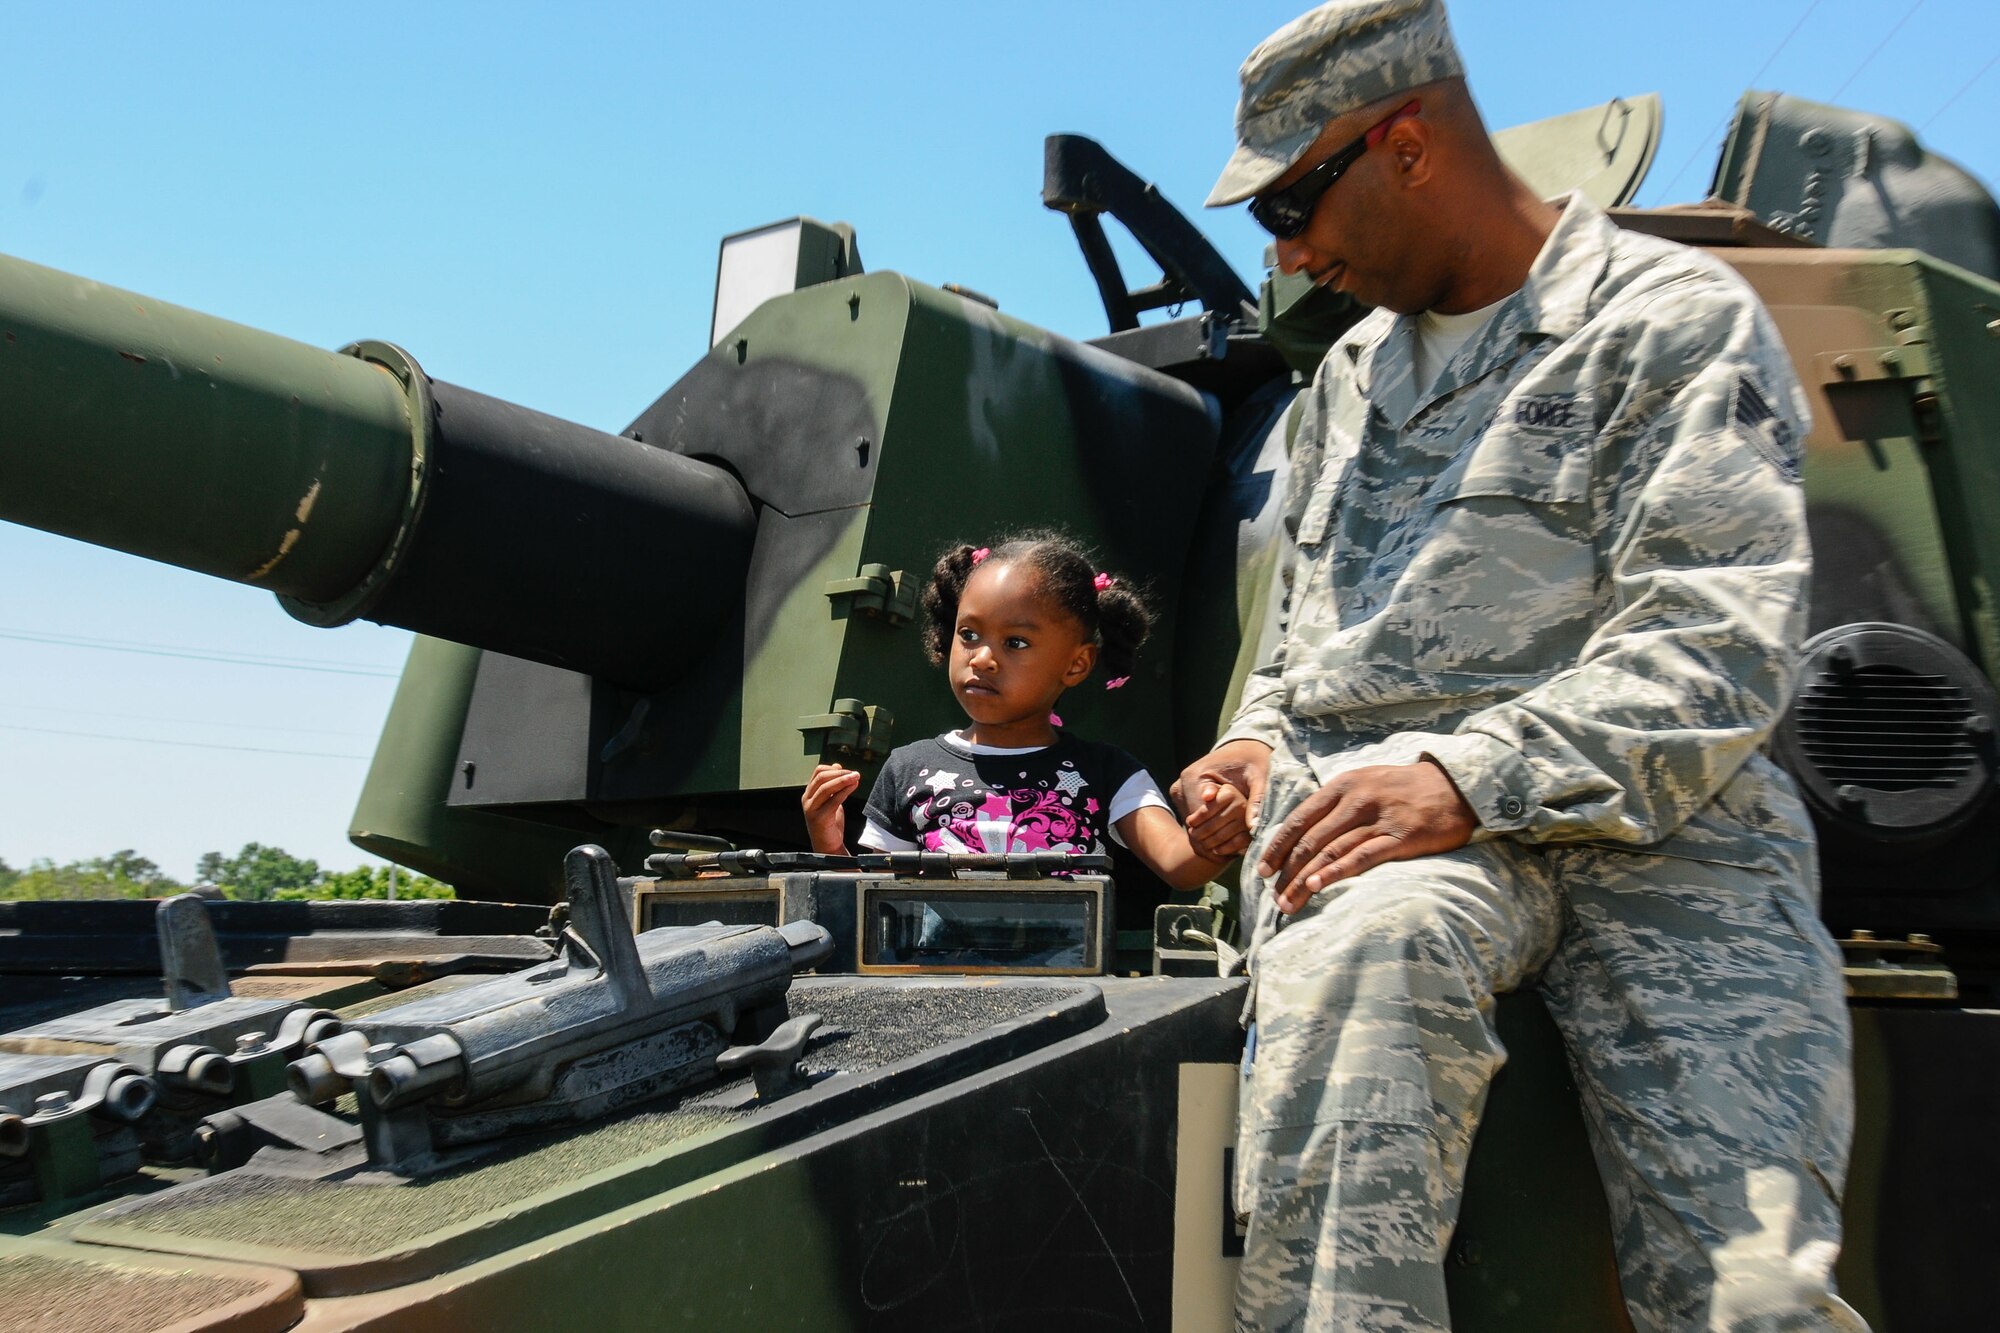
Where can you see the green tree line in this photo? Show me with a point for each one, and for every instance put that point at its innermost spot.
(255, 874)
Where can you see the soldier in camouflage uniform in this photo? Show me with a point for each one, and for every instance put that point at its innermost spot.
(1542, 613)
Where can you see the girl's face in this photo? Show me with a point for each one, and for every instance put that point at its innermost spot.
(1013, 655)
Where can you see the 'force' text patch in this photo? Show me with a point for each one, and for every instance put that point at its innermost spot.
(1546, 411)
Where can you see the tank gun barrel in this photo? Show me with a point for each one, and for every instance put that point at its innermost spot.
(354, 486)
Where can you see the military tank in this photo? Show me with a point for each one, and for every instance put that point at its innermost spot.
(661, 1066)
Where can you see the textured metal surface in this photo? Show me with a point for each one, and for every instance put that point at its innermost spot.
(867, 1026)
(59, 1289)
(38, 1292)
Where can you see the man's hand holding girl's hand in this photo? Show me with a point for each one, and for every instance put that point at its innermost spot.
(826, 822)
(1219, 823)
(1219, 795)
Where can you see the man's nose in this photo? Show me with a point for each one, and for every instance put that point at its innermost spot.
(1293, 252)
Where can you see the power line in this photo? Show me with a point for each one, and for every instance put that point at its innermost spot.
(180, 721)
(1869, 59)
(1772, 59)
(1964, 88)
(1724, 122)
(166, 650)
(190, 745)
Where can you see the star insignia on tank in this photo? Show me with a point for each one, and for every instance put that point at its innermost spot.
(941, 779)
(1070, 781)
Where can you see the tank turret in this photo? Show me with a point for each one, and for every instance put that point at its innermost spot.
(666, 627)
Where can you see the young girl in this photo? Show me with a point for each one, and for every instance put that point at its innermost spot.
(1015, 626)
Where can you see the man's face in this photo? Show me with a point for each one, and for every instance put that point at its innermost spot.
(1360, 237)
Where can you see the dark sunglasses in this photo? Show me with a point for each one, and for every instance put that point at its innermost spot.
(1284, 213)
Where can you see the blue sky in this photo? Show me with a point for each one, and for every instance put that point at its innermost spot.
(529, 199)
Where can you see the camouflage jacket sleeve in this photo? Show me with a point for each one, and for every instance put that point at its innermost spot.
(1703, 568)
(1260, 714)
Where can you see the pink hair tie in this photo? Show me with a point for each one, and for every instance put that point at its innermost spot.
(1101, 582)
(981, 554)
(1116, 682)
(1054, 721)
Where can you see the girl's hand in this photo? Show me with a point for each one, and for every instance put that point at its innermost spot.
(826, 822)
(1158, 839)
(1241, 765)
(1223, 829)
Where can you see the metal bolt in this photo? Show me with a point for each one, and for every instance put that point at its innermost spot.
(1892, 359)
(1920, 939)
(1844, 364)
(51, 1103)
(381, 1051)
(1852, 798)
(1842, 658)
(250, 1042)
(1979, 725)
(1864, 936)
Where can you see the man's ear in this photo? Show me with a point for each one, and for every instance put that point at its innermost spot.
(1411, 145)
(1080, 666)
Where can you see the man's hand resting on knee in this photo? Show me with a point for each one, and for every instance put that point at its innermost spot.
(1388, 812)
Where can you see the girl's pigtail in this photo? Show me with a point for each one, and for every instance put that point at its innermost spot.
(1123, 622)
(940, 598)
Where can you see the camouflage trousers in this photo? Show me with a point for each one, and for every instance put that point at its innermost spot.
(1702, 1009)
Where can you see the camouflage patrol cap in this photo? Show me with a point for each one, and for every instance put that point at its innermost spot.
(1319, 67)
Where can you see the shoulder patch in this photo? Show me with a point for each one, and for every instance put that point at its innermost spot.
(1769, 434)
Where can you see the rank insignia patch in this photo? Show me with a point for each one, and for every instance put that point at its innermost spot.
(1768, 433)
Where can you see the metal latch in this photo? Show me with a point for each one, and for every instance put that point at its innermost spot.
(879, 593)
(1187, 941)
(853, 728)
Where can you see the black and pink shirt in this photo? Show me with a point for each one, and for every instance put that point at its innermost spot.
(949, 795)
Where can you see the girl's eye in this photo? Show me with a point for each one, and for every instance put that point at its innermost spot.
(966, 635)
(1016, 642)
